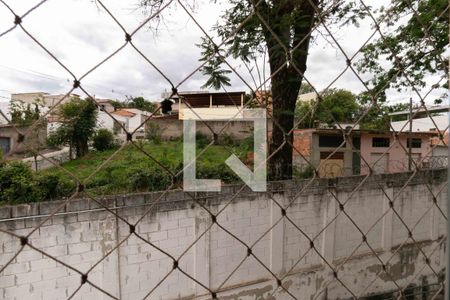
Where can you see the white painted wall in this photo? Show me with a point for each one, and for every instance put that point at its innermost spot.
(105, 121)
(423, 124)
(81, 239)
(4, 107)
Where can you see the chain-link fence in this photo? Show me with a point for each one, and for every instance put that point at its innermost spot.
(364, 216)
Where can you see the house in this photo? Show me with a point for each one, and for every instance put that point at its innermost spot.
(421, 112)
(215, 105)
(10, 139)
(308, 97)
(4, 108)
(219, 107)
(105, 105)
(436, 123)
(327, 150)
(46, 99)
(130, 119)
(264, 99)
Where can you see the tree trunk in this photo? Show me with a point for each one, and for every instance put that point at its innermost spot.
(284, 93)
(286, 78)
(82, 148)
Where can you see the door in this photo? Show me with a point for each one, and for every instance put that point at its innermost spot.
(5, 144)
(379, 162)
(331, 166)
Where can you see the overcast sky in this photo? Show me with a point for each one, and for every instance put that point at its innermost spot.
(81, 34)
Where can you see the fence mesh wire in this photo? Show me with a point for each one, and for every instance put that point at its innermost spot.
(309, 243)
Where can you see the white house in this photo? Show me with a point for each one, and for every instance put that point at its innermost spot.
(439, 122)
(130, 118)
(4, 107)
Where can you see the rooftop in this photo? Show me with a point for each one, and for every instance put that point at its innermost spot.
(124, 113)
(434, 109)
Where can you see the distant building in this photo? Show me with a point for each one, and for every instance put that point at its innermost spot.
(326, 150)
(220, 108)
(421, 112)
(129, 119)
(105, 105)
(46, 99)
(215, 105)
(4, 107)
(264, 100)
(10, 138)
(424, 124)
(308, 97)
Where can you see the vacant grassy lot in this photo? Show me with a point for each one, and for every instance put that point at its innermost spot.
(131, 170)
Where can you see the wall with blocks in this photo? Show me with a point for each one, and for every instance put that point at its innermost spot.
(322, 240)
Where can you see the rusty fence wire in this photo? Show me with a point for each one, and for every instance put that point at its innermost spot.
(348, 251)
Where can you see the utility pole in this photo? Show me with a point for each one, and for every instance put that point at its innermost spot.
(409, 139)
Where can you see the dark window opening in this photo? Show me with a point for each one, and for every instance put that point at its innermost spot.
(380, 142)
(356, 163)
(336, 155)
(414, 143)
(356, 141)
(330, 141)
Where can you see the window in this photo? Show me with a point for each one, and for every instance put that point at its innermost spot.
(356, 141)
(414, 143)
(330, 141)
(336, 155)
(378, 142)
(5, 144)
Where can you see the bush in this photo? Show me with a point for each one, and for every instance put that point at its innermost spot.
(202, 140)
(153, 133)
(104, 140)
(303, 173)
(52, 186)
(228, 140)
(17, 184)
(153, 179)
(210, 171)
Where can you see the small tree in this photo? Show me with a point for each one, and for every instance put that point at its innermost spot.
(153, 133)
(78, 119)
(338, 105)
(141, 103)
(25, 114)
(103, 140)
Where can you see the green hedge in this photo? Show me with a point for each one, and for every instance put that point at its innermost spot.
(19, 184)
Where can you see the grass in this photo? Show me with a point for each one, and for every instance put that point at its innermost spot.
(130, 170)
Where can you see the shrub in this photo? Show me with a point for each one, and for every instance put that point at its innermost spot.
(247, 144)
(149, 180)
(153, 133)
(201, 140)
(303, 173)
(210, 171)
(104, 140)
(17, 184)
(52, 186)
(227, 139)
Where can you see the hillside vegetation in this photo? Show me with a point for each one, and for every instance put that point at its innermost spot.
(108, 172)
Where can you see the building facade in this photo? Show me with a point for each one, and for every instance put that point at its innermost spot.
(362, 151)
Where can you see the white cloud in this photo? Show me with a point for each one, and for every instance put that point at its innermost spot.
(81, 34)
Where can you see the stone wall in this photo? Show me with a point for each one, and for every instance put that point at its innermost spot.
(173, 128)
(83, 232)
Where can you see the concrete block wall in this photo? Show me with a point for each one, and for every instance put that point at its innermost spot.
(83, 237)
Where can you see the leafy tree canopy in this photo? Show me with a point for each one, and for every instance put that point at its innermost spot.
(415, 37)
(338, 105)
(135, 102)
(78, 121)
(25, 114)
